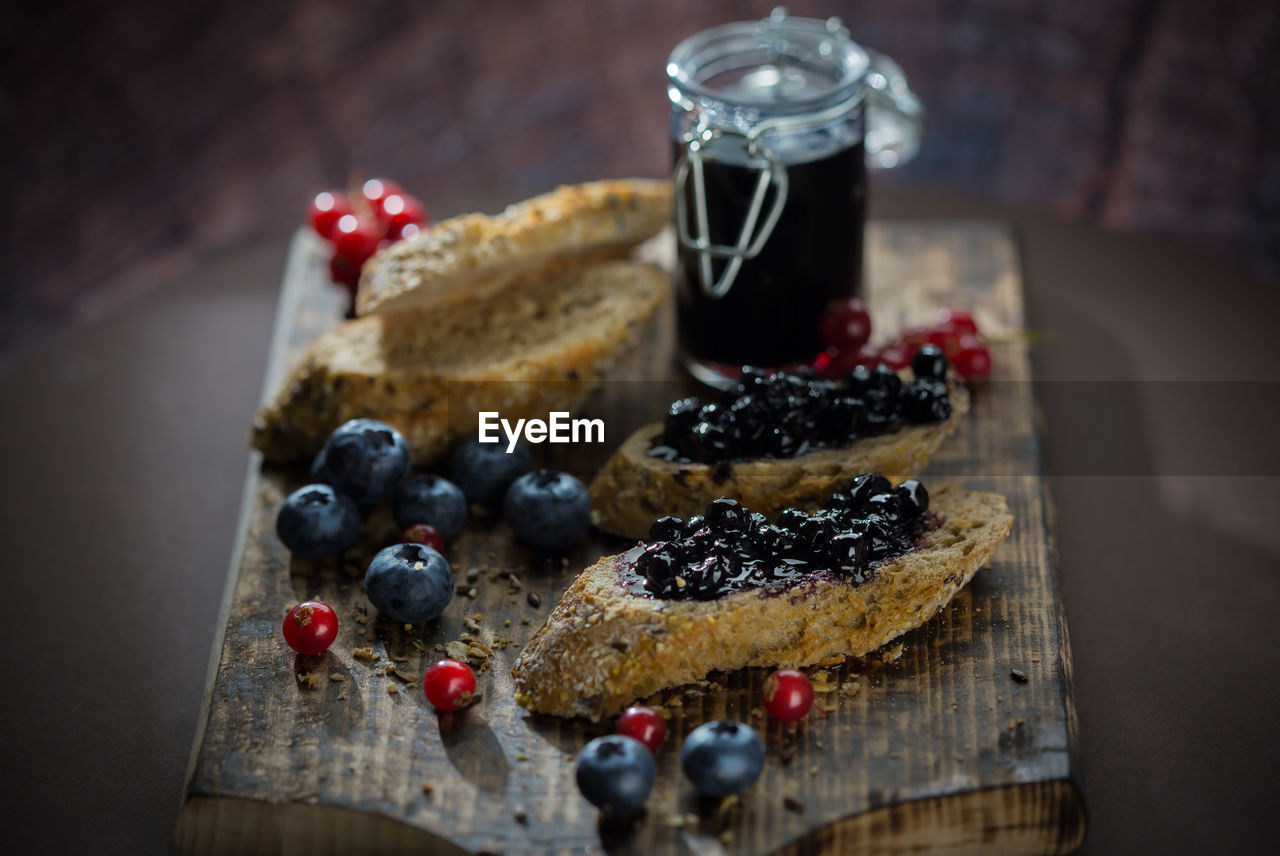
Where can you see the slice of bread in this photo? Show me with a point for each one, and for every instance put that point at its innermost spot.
(466, 258)
(544, 344)
(602, 648)
(632, 489)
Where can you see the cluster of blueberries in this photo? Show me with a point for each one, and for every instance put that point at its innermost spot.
(729, 549)
(616, 773)
(365, 462)
(784, 415)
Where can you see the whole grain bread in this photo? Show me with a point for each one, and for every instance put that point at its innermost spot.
(543, 344)
(632, 489)
(602, 648)
(469, 257)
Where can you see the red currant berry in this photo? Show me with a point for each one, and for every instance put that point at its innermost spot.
(311, 627)
(845, 325)
(972, 361)
(327, 209)
(823, 362)
(377, 189)
(356, 239)
(958, 318)
(344, 273)
(423, 533)
(449, 685)
(917, 335)
(644, 724)
(788, 695)
(398, 211)
(898, 355)
(945, 338)
(839, 363)
(865, 356)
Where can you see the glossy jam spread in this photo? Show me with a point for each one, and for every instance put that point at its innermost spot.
(785, 415)
(729, 549)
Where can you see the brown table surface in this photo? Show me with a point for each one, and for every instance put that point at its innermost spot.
(124, 458)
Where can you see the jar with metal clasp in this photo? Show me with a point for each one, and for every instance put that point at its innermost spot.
(773, 125)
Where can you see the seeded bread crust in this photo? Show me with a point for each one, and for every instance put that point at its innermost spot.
(543, 344)
(633, 489)
(469, 257)
(602, 648)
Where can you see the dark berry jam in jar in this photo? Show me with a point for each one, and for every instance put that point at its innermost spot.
(773, 125)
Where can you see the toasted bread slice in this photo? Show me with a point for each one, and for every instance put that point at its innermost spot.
(602, 648)
(471, 256)
(542, 345)
(633, 488)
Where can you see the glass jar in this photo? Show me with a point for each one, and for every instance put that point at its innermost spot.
(773, 126)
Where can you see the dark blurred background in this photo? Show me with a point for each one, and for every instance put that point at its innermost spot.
(143, 138)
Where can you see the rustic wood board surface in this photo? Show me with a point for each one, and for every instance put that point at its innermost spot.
(930, 745)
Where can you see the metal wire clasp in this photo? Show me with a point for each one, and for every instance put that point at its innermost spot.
(770, 172)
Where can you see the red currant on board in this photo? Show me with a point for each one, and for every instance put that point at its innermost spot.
(946, 338)
(423, 533)
(399, 211)
(958, 318)
(355, 239)
(344, 273)
(310, 627)
(898, 356)
(449, 685)
(788, 695)
(328, 207)
(845, 325)
(971, 360)
(377, 189)
(915, 335)
(644, 724)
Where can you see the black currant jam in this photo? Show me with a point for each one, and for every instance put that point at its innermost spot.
(769, 315)
(728, 549)
(784, 415)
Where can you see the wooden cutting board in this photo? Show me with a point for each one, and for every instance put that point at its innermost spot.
(929, 745)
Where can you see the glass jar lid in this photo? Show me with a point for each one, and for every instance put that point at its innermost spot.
(781, 66)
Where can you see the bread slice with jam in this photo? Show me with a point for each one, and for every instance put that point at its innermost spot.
(608, 643)
(634, 487)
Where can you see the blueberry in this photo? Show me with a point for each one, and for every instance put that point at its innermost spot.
(433, 500)
(365, 459)
(886, 506)
(726, 515)
(615, 774)
(886, 380)
(915, 498)
(847, 552)
(792, 519)
(929, 361)
(865, 486)
(658, 568)
(409, 583)
(316, 521)
(549, 510)
(666, 529)
(484, 471)
(925, 400)
(722, 758)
